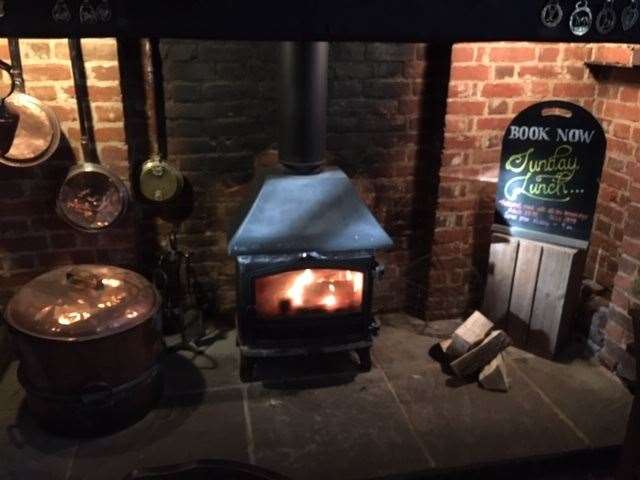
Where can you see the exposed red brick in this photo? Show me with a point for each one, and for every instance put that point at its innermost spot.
(503, 90)
(545, 72)
(512, 54)
(462, 54)
(475, 107)
(549, 54)
(492, 123)
(102, 73)
(619, 55)
(52, 72)
(622, 111)
(502, 72)
(573, 90)
(470, 72)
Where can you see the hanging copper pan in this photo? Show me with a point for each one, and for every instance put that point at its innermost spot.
(8, 120)
(38, 132)
(91, 198)
(159, 180)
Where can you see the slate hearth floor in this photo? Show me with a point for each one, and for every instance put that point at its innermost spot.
(322, 419)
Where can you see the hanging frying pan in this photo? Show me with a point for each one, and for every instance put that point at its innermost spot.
(91, 197)
(159, 180)
(38, 132)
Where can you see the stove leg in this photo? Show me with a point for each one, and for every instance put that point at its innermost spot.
(364, 355)
(246, 368)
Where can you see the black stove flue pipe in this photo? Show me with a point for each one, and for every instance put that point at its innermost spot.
(303, 105)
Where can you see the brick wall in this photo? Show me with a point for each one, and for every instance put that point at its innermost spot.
(32, 238)
(490, 84)
(222, 113)
(618, 106)
(220, 106)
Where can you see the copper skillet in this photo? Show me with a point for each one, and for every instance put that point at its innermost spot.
(91, 197)
(38, 132)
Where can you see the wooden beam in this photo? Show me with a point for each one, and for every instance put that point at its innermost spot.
(370, 20)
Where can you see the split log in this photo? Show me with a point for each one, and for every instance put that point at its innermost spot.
(468, 335)
(444, 346)
(480, 356)
(494, 376)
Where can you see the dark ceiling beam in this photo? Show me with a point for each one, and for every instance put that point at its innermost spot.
(367, 20)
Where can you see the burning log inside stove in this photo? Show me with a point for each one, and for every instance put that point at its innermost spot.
(309, 291)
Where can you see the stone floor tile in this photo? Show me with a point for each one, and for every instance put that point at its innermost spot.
(462, 424)
(28, 452)
(215, 366)
(591, 397)
(182, 429)
(350, 430)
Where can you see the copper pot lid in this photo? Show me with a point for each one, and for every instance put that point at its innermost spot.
(82, 302)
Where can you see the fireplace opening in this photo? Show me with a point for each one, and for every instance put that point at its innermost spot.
(309, 292)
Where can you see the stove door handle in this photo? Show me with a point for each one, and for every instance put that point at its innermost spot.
(378, 271)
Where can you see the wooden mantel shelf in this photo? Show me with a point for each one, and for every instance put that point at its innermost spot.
(615, 55)
(364, 20)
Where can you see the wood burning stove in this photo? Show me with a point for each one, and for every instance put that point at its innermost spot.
(304, 242)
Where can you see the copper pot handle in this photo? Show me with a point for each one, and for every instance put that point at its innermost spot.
(83, 278)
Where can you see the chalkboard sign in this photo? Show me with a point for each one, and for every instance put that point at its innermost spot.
(552, 157)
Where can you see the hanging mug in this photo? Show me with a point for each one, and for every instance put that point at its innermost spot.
(581, 18)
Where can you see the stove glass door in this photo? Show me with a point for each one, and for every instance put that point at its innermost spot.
(307, 292)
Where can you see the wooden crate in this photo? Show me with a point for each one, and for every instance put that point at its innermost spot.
(532, 291)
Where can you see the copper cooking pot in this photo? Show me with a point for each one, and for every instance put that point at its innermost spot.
(87, 338)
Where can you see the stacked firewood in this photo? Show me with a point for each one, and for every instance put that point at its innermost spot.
(476, 348)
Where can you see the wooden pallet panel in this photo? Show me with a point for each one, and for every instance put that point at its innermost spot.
(549, 316)
(502, 261)
(523, 292)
